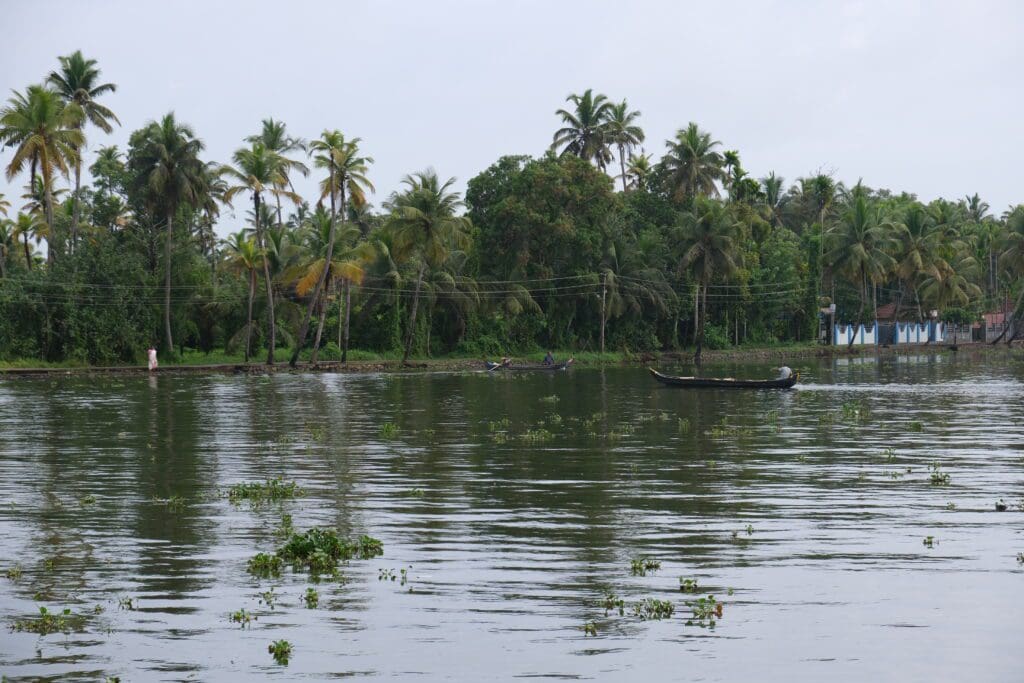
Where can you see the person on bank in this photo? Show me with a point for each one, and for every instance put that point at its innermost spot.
(549, 359)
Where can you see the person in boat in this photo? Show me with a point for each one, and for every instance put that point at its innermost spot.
(549, 359)
(785, 372)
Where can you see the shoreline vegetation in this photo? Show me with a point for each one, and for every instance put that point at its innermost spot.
(363, 362)
(593, 245)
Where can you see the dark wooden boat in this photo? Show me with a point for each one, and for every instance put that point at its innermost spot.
(724, 382)
(493, 367)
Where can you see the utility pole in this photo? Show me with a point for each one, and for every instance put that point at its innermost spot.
(604, 293)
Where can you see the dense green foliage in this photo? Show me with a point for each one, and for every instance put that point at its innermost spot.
(686, 250)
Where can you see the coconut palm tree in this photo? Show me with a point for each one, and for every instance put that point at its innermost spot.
(585, 133)
(244, 257)
(274, 136)
(346, 181)
(7, 242)
(859, 247)
(638, 172)
(26, 226)
(708, 243)
(426, 230)
(76, 81)
(952, 286)
(167, 171)
(4, 205)
(621, 130)
(45, 132)
(772, 188)
(917, 243)
(259, 170)
(692, 163)
(1011, 258)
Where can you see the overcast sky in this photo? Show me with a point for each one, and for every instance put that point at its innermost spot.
(918, 96)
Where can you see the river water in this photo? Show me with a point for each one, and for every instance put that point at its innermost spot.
(804, 512)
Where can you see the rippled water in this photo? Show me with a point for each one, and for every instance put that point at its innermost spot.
(785, 505)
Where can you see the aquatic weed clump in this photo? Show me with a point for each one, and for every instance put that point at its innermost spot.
(705, 612)
(652, 608)
(320, 549)
(281, 650)
(48, 622)
(639, 566)
(265, 564)
(257, 492)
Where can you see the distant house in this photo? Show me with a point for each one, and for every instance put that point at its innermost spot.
(998, 317)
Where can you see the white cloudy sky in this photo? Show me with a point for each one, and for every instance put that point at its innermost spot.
(917, 96)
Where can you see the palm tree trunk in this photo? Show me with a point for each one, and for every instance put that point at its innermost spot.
(696, 311)
(248, 319)
(168, 339)
(52, 242)
(320, 323)
(1017, 311)
(860, 312)
(304, 327)
(622, 165)
(75, 203)
(28, 253)
(412, 315)
(604, 318)
(348, 309)
(3, 264)
(270, 286)
(702, 313)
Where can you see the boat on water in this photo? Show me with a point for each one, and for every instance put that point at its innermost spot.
(724, 382)
(538, 367)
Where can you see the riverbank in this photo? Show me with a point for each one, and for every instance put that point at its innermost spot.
(366, 363)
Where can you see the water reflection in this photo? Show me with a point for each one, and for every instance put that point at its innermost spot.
(809, 505)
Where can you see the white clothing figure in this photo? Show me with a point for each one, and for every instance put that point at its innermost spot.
(152, 359)
(785, 372)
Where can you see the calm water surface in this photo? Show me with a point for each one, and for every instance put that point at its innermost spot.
(785, 505)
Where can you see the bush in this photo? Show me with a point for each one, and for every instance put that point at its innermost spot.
(330, 351)
(715, 337)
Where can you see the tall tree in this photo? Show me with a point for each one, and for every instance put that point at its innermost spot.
(167, 172)
(46, 134)
(692, 164)
(259, 170)
(585, 130)
(859, 248)
(1011, 257)
(346, 181)
(707, 240)
(77, 82)
(244, 257)
(274, 136)
(772, 188)
(28, 226)
(426, 229)
(621, 130)
(639, 171)
(917, 244)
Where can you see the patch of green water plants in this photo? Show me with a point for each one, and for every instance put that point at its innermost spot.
(937, 476)
(311, 598)
(613, 602)
(930, 542)
(705, 612)
(388, 430)
(386, 575)
(499, 425)
(951, 506)
(652, 608)
(268, 598)
(589, 629)
(1020, 558)
(915, 426)
(286, 528)
(856, 411)
(639, 566)
(13, 573)
(281, 651)
(687, 585)
(264, 565)
(127, 602)
(549, 399)
(242, 617)
(256, 492)
(48, 622)
(87, 499)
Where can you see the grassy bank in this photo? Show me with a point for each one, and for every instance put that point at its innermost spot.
(368, 361)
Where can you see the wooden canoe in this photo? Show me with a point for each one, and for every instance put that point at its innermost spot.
(724, 382)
